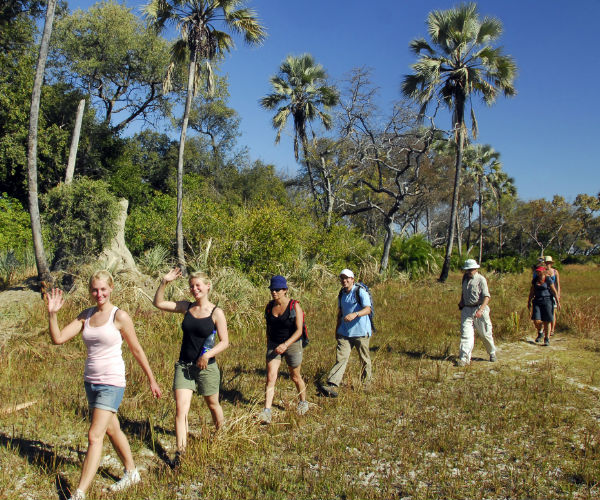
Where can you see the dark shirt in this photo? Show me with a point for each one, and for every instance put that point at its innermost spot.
(280, 328)
(195, 333)
(541, 291)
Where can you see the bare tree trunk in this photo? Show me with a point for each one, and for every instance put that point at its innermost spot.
(184, 124)
(454, 209)
(387, 244)
(32, 140)
(480, 202)
(427, 218)
(74, 143)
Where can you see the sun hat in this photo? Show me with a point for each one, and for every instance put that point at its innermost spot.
(278, 281)
(548, 258)
(347, 273)
(542, 259)
(470, 264)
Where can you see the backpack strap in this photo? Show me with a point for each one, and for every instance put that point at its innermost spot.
(358, 287)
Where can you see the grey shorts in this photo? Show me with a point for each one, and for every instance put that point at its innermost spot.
(104, 397)
(204, 382)
(292, 355)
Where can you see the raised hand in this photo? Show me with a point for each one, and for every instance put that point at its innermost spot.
(172, 275)
(55, 300)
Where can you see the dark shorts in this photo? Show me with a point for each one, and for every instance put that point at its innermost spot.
(292, 355)
(104, 397)
(543, 311)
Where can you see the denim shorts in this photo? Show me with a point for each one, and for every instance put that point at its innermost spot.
(104, 397)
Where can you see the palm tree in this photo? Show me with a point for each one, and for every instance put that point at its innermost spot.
(458, 64)
(483, 161)
(300, 91)
(203, 44)
(32, 140)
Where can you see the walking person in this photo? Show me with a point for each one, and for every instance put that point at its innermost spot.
(204, 336)
(554, 276)
(474, 314)
(540, 304)
(285, 319)
(103, 329)
(353, 330)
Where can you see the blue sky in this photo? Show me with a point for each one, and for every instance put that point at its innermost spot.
(545, 134)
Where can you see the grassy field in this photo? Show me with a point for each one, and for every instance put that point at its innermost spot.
(527, 426)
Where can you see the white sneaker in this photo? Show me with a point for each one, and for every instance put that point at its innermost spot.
(78, 495)
(302, 407)
(130, 477)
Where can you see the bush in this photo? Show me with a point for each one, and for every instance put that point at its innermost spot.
(415, 256)
(15, 224)
(80, 220)
(152, 224)
(507, 264)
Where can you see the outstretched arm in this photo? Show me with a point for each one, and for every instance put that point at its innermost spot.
(55, 302)
(125, 326)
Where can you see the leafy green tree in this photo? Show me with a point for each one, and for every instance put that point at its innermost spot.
(116, 60)
(300, 91)
(458, 64)
(202, 44)
(15, 224)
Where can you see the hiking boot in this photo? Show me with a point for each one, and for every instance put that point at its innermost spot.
(176, 462)
(493, 358)
(539, 338)
(329, 390)
(265, 416)
(78, 495)
(130, 477)
(302, 407)
(461, 362)
(546, 342)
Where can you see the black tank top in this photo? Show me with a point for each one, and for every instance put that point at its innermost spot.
(280, 328)
(541, 291)
(195, 333)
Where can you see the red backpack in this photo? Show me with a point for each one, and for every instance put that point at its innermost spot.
(292, 306)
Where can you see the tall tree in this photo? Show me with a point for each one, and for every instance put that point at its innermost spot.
(201, 43)
(300, 91)
(483, 161)
(109, 53)
(457, 64)
(34, 210)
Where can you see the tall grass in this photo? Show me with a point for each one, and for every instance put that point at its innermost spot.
(519, 428)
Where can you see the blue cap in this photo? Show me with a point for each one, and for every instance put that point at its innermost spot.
(278, 282)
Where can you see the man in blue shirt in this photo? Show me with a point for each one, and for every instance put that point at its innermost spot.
(353, 329)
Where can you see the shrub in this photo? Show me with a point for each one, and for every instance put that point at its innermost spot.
(414, 255)
(152, 224)
(507, 264)
(80, 220)
(15, 224)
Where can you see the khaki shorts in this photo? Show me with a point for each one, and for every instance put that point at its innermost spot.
(292, 355)
(205, 382)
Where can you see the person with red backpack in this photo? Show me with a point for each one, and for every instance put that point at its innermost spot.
(286, 336)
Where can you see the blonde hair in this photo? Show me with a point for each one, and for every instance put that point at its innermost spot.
(102, 275)
(199, 275)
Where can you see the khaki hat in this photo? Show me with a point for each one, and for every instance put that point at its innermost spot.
(548, 258)
(470, 264)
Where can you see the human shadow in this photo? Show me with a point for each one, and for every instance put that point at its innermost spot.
(424, 355)
(146, 433)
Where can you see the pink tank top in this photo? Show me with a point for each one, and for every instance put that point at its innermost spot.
(104, 363)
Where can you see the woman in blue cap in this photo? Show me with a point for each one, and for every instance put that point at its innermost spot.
(284, 319)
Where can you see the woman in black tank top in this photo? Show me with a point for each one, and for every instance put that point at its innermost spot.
(204, 336)
(284, 319)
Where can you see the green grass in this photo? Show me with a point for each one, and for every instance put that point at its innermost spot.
(525, 427)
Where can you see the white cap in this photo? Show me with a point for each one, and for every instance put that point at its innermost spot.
(347, 273)
(470, 264)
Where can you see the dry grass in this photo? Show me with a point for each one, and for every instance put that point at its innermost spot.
(525, 427)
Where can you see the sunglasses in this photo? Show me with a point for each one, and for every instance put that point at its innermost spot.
(277, 289)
